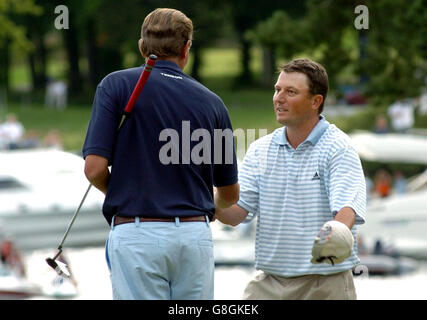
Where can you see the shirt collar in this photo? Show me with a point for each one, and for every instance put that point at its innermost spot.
(167, 64)
(313, 137)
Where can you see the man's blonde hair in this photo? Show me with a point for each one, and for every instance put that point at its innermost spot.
(165, 32)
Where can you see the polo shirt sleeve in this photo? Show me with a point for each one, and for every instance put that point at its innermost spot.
(346, 187)
(103, 124)
(249, 182)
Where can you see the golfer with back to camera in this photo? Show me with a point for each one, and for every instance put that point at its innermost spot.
(160, 243)
(305, 184)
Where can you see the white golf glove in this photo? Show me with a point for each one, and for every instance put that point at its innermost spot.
(333, 244)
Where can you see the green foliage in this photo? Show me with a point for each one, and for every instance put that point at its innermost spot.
(363, 120)
(396, 49)
(389, 60)
(281, 32)
(9, 29)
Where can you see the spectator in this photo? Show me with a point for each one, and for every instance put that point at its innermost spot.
(400, 182)
(422, 108)
(11, 257)
(56, 95)
(402, 115)
(382, 183)
(2, 137)
(30, 140)
(11, 132)
(381, 125)
(53, 140)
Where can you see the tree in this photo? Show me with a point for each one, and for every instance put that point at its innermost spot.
(389, 59)
(280, 35)
(209, 25)
(329, 24)
(390, 55)
(396, 50)
(13, 34)
(245, 15)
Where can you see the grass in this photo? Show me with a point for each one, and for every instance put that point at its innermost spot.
(225, 62)
(247, 109)
(72, 122)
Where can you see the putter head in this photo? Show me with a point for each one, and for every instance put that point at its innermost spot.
(60, 268)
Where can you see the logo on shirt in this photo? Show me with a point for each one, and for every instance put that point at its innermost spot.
(170, 75)
(316, 176)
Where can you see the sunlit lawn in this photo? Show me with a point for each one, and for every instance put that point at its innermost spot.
(248, 110)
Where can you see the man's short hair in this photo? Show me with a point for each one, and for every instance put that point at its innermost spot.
(316, 75)
(165, 32)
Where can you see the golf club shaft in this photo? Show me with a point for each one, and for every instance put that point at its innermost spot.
(74, 217)
(131, 103)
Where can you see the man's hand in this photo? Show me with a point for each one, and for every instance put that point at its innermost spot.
(333, 244)
(232, 215)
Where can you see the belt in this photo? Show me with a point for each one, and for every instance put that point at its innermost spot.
(120, 220)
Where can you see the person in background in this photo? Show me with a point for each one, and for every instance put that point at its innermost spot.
(381, 125)
(3, 143)
(12, 131)
(30, 140)
(11, 257)
(53, 140)
(382, 183)
(399, 182)
(56, 94)
(401, 114)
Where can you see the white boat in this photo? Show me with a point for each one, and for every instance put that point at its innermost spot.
(40, 190)
(384, 265)
(60, 288)
(13, 286)
(399, 220)
(391, 147)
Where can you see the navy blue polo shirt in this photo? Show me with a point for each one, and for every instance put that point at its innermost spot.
(176, 119)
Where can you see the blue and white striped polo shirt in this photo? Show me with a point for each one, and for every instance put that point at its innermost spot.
(293, 192)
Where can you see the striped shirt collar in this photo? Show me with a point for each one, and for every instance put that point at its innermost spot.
(313, 137)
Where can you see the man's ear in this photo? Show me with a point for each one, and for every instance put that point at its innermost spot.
(186, 49)
(317, 101)
(140, 48)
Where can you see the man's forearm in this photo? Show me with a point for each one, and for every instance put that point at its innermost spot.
(225, 197)
(232, 215)
(221, 203)
(96, 171)
(100, 181)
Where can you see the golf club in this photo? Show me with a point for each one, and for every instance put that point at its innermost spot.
(61, 268)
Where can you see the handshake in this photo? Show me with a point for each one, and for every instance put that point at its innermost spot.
(333, 244)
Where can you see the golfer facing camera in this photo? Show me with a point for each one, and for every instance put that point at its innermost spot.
(159, 195)
(305, 184)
